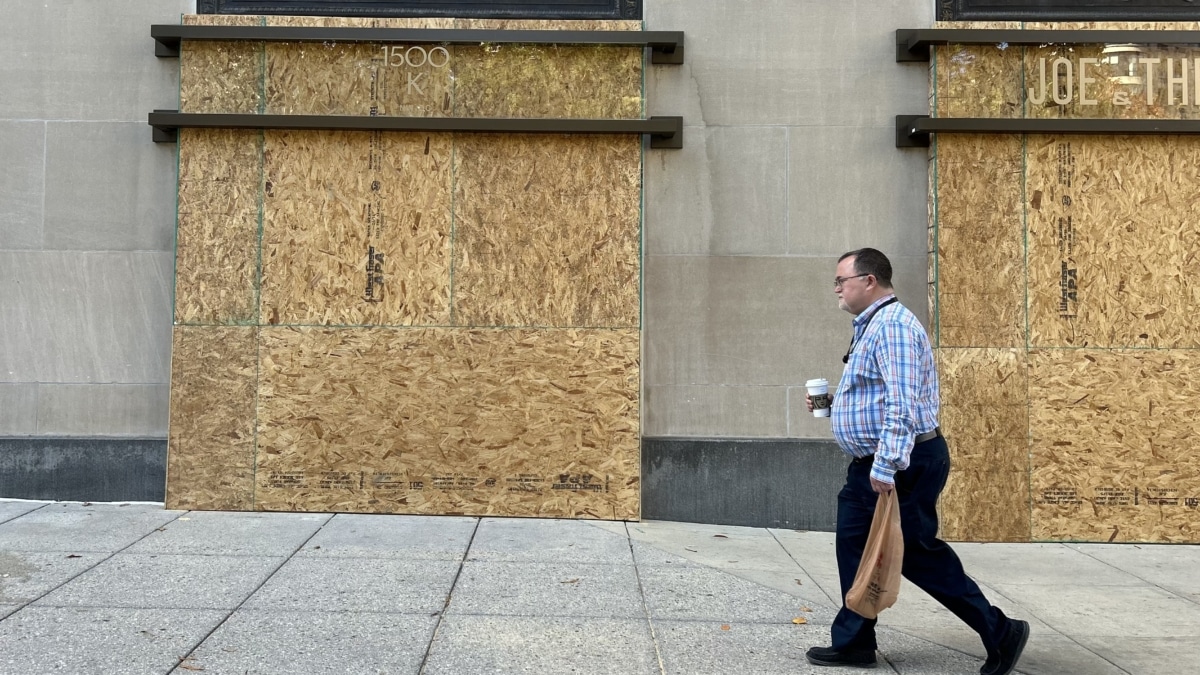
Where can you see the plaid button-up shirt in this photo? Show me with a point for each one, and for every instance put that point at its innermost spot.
(888, 394)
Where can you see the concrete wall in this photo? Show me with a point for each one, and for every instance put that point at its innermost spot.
(87, 213)
(789, 160)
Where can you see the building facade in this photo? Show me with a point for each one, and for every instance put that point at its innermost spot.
(789, 160)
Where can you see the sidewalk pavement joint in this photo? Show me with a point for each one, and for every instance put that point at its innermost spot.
(109, 588)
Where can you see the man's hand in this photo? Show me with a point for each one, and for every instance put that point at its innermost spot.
(808, 401)
(881, 487)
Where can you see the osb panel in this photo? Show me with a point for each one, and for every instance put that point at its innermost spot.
(980, 241)
(999, 505)
(996, 25)
(210, 458)
(1113, 239)
(356, 228)
(977, 81)
(1113, 25)
(307, 78)
(223, 20)
(1108, 98)
(421, 80)
(1113, 436)
(220, 77)
(984, 416)
(216, 240)
(360, 22)
(332, 78)
(476, 422)
(545, 24)
(515, 80)
(546, 231)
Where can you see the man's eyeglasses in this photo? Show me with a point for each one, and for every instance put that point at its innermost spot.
(838, 281)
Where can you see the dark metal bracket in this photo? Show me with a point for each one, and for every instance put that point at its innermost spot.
(912, 131)
(663, 132)
(913, 44)
(666, 46)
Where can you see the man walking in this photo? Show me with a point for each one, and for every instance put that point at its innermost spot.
(884, 416)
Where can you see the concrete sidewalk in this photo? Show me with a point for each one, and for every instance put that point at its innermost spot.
(110, 588)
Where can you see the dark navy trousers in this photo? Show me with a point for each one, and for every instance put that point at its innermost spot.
(928, 561)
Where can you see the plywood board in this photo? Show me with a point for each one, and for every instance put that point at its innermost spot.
(353, 78)
(980, 241)
(1112, 445)
(214, 381)
(1106, 264)
(1086, 81)
(574, 81)
(477, 422)
(216, 239)
(335, 244)
(547, 231)
(357, 79)
(1114, 235)
(976, 81)
(984, 416)
(356, 228)
(221, 77)
(1113, 25)
(549, 80)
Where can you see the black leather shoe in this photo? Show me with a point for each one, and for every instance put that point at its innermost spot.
(1010, 650)
(854, 658)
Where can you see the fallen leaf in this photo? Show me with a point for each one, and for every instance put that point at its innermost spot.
(689, 548)
(724, 626)
(799, 619)
(569, 581)
(799, 583)
(719, 536)
(74, 556)
(806, 609)
(188, 666)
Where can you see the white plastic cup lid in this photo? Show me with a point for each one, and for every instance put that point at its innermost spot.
(821, 382)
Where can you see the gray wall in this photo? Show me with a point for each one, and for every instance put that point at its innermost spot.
(789, 160)
(87, 214)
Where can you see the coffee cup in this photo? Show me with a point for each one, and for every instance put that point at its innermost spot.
(818, 391)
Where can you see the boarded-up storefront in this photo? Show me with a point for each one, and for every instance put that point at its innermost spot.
(1065, 292)
(408, 322)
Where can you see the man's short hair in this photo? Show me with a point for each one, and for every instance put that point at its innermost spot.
(873, 262)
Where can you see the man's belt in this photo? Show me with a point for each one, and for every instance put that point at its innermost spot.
(928, 436)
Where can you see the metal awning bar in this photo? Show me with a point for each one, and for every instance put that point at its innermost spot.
(912, 131)
(664, 132)
(912, 44)
(666, 46)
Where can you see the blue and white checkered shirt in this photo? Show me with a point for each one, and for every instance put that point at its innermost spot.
(888, 394)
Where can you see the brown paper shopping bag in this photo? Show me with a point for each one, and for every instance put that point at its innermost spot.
(878, 580)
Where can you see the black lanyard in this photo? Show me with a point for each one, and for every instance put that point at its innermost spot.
(853, 341)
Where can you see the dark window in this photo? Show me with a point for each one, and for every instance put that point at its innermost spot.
(490, 9)
(1068, 10)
